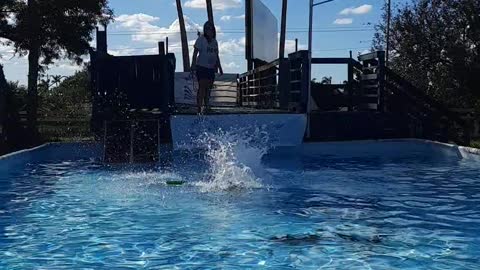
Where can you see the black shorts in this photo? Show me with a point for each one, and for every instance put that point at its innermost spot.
(204, 73)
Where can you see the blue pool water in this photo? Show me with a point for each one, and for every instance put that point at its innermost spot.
(401, 205)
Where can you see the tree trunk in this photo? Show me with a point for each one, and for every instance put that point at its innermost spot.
(183, 36)
(32, 97)
(210, 11)
(33, 69)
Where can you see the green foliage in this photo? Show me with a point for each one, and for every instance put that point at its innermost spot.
(69, 99)
(475, 144)
(436, 45)
(62, 28)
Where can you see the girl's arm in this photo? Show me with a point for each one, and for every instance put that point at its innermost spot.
(194, 60)
(219, 65)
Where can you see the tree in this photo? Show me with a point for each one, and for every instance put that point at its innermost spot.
(3, 110)
(183, 37)
(326, 80)
(48, 30)
(68, 99)
(436, 45)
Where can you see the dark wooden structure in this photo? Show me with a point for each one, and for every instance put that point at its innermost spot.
(132, 98)
(374, 102)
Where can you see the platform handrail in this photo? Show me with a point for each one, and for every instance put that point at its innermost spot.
(431, 112)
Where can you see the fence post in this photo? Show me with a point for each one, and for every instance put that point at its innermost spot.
(304, 98)
(381, 82)
(161, 48)
(239, 91)
(284, 83)
(350, 83)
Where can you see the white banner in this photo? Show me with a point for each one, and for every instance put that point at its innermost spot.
(282, 129)
(224, 90)
(264, 32)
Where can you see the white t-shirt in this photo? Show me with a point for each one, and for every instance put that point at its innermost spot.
(207, 52)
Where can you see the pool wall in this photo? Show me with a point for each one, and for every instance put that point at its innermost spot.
(282, 129)
(52, 151)
(380, 148)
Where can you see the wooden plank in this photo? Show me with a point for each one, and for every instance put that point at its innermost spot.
(330, 60)
(369, 76)
(368, 56)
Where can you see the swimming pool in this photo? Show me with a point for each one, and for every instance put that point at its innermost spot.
(357, 205)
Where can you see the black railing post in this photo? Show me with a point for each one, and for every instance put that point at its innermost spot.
(161, 48)
(382, 95)
(284, 83)
(239, 91)
(350, 84)
(304, 98)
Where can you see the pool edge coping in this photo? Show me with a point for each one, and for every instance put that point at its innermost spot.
(462, 150)
(23, 151)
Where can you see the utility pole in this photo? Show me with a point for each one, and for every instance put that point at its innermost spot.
(389, 18)
(210, 11)
(183, 37)
(310, 55)
(283, 29)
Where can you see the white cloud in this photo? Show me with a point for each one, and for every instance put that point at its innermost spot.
(143, 30)
(216, 4)
(343, 21)
(229, 18)
(365, 52)
(231, 65)
(67, 67)
(232, 46)
(363, 9)
(136, 20)
(290, 46)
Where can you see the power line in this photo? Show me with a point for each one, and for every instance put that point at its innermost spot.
(241, 29)
(233, 32)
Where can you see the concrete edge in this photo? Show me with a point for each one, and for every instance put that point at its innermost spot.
(462, 151)
(25, 151)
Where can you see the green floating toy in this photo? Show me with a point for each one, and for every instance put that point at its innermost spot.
(175, 183)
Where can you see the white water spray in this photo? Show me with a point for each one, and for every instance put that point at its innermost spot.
(234, 159)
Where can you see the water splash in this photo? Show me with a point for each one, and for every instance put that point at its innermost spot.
(234, 158)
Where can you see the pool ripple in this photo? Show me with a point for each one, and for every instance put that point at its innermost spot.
(319, 214)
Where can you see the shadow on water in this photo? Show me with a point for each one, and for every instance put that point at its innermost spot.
(314, 239)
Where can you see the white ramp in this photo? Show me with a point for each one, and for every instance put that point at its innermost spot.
(282, 129)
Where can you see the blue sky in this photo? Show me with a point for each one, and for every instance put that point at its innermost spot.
(342, 25)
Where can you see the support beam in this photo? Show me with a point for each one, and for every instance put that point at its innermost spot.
(389, 18)
(248, 34)
(161, 48)
(183, 37)
(210, 11)
(283, 28)
(166, 44)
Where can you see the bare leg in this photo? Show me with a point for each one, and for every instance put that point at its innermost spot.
(202, 92)
(199, 98)
(207, 94)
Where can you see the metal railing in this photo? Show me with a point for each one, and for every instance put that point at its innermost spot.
(276, 85)
(429, 118)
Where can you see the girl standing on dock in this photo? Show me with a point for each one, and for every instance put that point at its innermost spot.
(206, 62)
